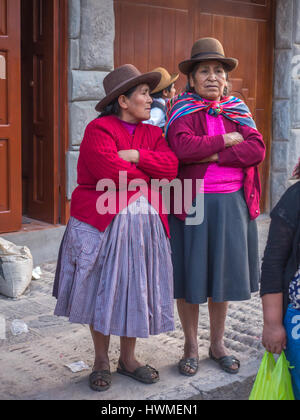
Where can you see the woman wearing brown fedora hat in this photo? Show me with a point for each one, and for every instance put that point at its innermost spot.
(215, 139)
(114, 268)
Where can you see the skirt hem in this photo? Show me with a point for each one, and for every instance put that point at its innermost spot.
(216, 299)
(116, 332)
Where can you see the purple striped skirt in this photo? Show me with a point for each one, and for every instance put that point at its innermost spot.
(119, 281)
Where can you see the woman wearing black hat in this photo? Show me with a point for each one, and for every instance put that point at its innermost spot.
(114, 269)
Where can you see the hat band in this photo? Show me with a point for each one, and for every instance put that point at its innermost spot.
(207, 53)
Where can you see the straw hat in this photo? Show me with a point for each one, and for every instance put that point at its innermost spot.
(120, 80)
(166, 79)
(206, 49)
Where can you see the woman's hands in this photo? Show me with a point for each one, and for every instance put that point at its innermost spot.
(130, 155)
(231, 139)
(274, 338)
(274, 334)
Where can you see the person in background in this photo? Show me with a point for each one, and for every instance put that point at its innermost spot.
(160, 95)
(280, 281)
(114, 268)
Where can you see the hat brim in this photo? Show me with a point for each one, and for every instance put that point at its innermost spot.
(172, 80)
(152, 79)
(186, 66)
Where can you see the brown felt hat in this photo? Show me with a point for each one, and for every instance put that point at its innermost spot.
(206, 49)
(166, 79)
(120, 80)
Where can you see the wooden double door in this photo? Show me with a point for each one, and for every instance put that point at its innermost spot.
(29, 111)
(152, 33)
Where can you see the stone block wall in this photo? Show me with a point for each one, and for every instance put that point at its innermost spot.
(91, 57)
(286, 105)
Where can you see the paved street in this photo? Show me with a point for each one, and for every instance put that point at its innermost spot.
(33, 363)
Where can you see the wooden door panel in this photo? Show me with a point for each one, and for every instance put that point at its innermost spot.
(153, 33)
(243, 80)
(10, 118)
(250, 9)
(249, 40)
(3, 88)
(39, 17)
(161, 33)
(40, 131)
(38, 89)
(3, 17)
(39, 146)
(4, 159)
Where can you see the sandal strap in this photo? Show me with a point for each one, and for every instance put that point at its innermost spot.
(192, 362)
(228, 361)
(102, 375)
(145, 372)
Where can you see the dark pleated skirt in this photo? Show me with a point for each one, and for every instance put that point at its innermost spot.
(218, 258)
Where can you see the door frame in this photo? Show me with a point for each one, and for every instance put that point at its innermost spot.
(61, 129)
(59, 110)
(64, 204)
(10, 131)
(61, 116)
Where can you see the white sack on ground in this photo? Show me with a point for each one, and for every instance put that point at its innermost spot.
(16, 266)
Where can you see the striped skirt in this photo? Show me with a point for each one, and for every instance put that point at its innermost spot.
(119, 281)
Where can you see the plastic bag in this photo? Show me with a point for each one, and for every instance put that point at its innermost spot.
(36, 273)
(77, 366)
(262, 384)
(273, 381)
(15, 268)
(18, 327)
(281, 385)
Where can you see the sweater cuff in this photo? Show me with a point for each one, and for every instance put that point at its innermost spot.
(142, 159)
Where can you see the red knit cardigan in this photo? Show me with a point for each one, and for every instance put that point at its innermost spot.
(99, 160)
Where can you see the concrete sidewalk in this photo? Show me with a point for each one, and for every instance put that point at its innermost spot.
(33, 363)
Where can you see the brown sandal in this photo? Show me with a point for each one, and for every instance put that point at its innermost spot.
(192, 363)
(100, 375)
(141, 374)
(226, 363)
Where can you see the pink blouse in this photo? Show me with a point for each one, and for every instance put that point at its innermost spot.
(129, 127)
(221, 179)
